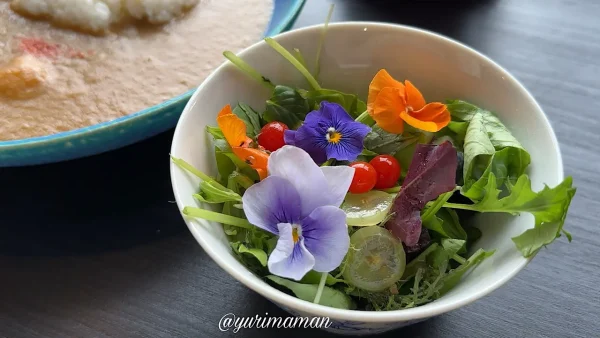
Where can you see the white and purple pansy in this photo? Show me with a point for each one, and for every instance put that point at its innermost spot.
(299, 202)
(329, 132)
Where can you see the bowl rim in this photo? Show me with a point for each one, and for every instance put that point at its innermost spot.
(272, 28)
(281, 298)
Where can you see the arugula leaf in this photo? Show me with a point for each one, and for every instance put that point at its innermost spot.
(440, 258)
(430, 174)
(454, 276)
(488, 146)
(259, 254)
(250, 118)
(453, 246)
(549, 207)
(314, 277)
(446, 223)
(350, 102)
(330, 297)
(436, 205)
(286, 105)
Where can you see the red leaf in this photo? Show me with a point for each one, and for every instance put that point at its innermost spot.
(432, 172)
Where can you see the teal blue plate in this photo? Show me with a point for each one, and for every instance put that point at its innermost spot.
(123, 131)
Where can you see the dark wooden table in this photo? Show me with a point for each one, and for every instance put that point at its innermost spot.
(95, 247)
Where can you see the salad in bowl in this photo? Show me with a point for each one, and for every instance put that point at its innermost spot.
(366, 205)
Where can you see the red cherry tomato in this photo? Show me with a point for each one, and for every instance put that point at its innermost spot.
(364, 178)
(388, 171)
(271, 135)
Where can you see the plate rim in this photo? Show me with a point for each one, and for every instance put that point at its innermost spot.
(282, 24)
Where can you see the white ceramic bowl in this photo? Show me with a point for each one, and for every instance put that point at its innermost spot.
(352, 54)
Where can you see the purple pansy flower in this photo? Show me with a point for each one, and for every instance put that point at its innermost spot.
(329, 132)
(299, 202)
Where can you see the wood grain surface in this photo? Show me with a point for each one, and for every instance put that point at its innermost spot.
(96, 248)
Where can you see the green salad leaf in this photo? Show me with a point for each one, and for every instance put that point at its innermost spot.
(330, 297)
(225, 166)
(250, 117)
(295, 62)
(454, 276)
(225, 160)
(248, 70)
(419, 262)
(314, 277)
(322, 41)
(455, 131)
(499, 135)
(380, 141)
(404, 153)
(427, 277)
(212, 188)
(488, 146)
(473, 234)
(453, 246)
(549, 207)
(446, 223)
(351, 103)
(229, 207)
(259, 254)
(286, 105)
(214, 193)
(252, 258)
(442, 220)
(440, 258)
(216, 132)
(437, 204)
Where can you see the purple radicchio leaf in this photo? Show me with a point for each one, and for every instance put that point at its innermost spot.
(414, 250)
(432, 172)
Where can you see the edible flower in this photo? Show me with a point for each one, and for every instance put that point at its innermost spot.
(234, 130)
(391, 103)
(299, 202)
(329, 132)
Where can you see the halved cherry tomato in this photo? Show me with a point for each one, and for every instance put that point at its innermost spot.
(271, 135)
(364, 178)
(388, 171)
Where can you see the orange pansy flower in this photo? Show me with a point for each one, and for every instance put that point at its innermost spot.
(234, 130)
(391, 103)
